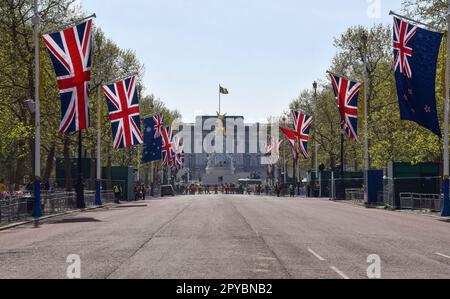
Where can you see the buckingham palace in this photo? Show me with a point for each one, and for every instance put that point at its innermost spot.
(224, 149)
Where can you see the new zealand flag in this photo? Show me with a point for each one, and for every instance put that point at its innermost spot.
(416, 51)
(152, 139)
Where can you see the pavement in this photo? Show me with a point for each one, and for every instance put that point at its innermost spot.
(229, 237)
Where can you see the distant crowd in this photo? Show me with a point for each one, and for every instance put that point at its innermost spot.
(278, 190)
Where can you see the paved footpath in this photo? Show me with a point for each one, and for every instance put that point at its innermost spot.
(229, 237)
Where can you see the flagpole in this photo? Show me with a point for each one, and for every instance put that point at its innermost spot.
(98, 198)
(391, 13)
(446, 183)
(220, 101)
(37, 212)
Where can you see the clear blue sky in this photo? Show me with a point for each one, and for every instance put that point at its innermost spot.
(264, 51)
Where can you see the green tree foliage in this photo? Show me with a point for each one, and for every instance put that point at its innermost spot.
(17, 87)
(390, 139)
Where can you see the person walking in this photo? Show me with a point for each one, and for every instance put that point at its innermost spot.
(143, 192)
(137, 192)
(117, 193)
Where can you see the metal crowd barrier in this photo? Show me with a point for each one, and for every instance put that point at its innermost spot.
(15, 208)
(18, 208)
(415, 201)
(355, 195)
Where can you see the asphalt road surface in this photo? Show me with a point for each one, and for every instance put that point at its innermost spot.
(230, 237)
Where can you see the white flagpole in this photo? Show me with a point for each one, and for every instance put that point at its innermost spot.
(446, 207)
(37, 212)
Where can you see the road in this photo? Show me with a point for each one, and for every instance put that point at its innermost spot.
(230, 237)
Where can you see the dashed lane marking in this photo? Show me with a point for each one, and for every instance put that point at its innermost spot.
(316, 255)
(443, 255)
(340, 273)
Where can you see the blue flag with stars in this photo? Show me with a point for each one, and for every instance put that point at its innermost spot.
(152, 139)
(416, 52)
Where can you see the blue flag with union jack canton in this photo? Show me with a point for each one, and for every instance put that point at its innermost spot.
(347, 95)
(302, 125)
(71, 54)
(153, 140)
(123, 105)
(416, 51)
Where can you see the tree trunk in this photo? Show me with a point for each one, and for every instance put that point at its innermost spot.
(67, 164)
(19, 173)
(109, 173)
(93, 170)
(49, 163)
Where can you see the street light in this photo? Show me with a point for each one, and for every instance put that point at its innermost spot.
(365, 39)
(37, 212)
(284, 157)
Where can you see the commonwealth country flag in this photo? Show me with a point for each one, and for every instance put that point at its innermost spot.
(223, 90)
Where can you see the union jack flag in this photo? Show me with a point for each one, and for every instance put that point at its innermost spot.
(403, 33)
(71, 54)
(159, 124)
(347, 94)
(123, 105)
(292, 138)
(302, 125)
(178, 154)
(167, 147)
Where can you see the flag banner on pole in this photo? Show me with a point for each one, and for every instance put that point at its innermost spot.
(347, 95)
(416, 52)
(71, 54)
(153, 138)
(223, 90)
(167, 149)
(302, 125)
(123, 105)
(178, 154)
(292, 138)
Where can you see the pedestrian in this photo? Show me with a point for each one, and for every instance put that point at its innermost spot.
(143, 191)
(2, 186)
(117, 194)
(137, 188)
(278, 189)
(292, 191)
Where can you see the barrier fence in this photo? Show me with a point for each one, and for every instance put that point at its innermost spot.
(19, 206)
(411, 193)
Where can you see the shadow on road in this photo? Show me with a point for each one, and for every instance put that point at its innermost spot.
(75, 220)
(128, 206)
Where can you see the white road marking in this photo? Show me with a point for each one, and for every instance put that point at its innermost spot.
(340, 273)
(443, 255)
(316, 255)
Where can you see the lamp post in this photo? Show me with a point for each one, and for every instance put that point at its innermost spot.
(316, 158)
(98, 185)
(284, 159)
(365, 39)
(446, 185)
(37, 212)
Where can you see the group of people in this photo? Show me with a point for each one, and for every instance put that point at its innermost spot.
(140, 192)
(278, 190)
